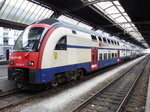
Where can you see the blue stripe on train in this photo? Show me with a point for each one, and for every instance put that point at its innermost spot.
(86, 47)
(46, 75)
(105, 63)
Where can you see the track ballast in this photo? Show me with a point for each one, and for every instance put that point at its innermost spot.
(113, 96)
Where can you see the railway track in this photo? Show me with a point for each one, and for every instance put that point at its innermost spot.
(17, 97)
(10, 93)
(113, 96)
(138, 97)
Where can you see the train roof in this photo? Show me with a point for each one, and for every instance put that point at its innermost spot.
(57, 23)
(48, 21)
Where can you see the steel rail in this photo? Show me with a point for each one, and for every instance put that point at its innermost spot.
(130, 90)
(104, 88)
(10, 93)
(15, 103)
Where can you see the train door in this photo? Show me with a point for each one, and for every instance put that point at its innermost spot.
(118, 52)
(94, 59)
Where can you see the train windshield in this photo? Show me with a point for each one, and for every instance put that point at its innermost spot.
(29, 39)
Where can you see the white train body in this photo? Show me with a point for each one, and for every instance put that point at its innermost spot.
(68, 48)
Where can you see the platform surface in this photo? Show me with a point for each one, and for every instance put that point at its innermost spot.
(3, 71)
(5, 84)
(3, 62)
(147, 109)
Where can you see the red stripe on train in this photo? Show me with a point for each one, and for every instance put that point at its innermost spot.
(43, 47)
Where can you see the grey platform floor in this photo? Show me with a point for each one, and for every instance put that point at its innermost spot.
(148, 98)
(5, 84)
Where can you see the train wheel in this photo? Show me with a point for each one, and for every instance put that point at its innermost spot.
(80, 74)
(54, 82)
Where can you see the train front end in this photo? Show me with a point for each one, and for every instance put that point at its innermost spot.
(25, 58)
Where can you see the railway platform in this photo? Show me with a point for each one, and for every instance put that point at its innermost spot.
(147, 109)
(5, 84)
(4, 62)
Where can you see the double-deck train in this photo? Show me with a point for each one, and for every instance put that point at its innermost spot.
(51, 52)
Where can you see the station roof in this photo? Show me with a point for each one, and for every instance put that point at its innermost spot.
(139, 12)
(103, 15)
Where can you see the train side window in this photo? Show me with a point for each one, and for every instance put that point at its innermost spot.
(93, 57)
(100, 39)
(94, 38)
(104, 39)
(118, 43)
(108, 41)
(74, 32)
(105, 56)
(109, 56)
(61, 44)
(112, 55)
(112, 42)
(115, 55)
(100, 56)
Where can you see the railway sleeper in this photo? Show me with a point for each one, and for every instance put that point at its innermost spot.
(94, 108)
(106, 106)
(101, 99)
(111, 101)
(111, 94)
(116, 99)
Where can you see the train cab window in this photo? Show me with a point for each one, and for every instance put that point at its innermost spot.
(100, 56)
(94, 38)
(61, 44)
(100, 39)
(74, 32)
(105, 56)
(104, 39)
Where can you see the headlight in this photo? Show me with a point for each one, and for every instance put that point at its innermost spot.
(11, 63)
(30, 63)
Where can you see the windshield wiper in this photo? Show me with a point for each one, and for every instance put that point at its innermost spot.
(28, 53)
